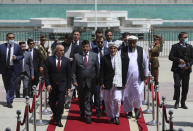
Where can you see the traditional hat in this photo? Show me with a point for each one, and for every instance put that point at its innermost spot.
(132, 37)
(116, 43)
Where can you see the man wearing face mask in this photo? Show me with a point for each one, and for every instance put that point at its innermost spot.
(134, 72)
(10, 56)
(182, 57)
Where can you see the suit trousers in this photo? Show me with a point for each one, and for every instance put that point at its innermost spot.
(23, 77)
(84, 99)
(181, 77)
(96, 94)
(9, 80)
(56, 101)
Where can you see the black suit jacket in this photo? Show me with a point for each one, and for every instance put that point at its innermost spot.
(37, 61)
(176, 54)
(106, 72)
(75, 49)
(96, 50)
(62, 77)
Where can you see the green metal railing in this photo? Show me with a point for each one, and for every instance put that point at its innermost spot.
(145, 39)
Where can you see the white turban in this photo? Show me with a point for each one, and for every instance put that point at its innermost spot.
(116, 43)
(132, 37)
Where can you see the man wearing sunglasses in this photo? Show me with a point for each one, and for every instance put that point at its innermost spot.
(10, 56)
(38, 63)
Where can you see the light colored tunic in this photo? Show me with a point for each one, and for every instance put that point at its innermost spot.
(133, 93)
(112, 100)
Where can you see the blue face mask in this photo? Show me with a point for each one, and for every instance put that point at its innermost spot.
(186, 40)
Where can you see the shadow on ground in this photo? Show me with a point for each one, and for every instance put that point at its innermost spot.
(183, 123)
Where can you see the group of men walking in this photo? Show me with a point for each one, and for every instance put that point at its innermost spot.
(112, 71)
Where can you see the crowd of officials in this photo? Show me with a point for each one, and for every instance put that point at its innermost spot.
(103, 72)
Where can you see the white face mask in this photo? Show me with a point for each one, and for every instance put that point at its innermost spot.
(186, 40)
(11, 42)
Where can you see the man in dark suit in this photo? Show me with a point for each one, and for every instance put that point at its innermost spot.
(58, 80)
(182, 57)
(85, 74)
(98, 33)
(76, 38)
(125, 40)
(10, 56)
(38, 62)
(69, 50)
(26, 74)
(100, 50)
(109, 37)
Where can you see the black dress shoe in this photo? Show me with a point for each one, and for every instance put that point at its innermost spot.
(112, 120)
(67, 106)
(88, 120)
(176, 106)
(137, 113)
(9, 105)
(59, 124)
(184, 106)
(98, 114)
(117, 121)
(129, 115)
(82, 115)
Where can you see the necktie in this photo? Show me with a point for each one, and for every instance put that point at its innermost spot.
(101, 53)
(58, 65)
(85, 61)
(9, 53)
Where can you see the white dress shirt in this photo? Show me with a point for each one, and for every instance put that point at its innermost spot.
(11, 55)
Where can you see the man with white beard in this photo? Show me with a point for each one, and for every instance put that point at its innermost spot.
(134, 73)
(111, 82)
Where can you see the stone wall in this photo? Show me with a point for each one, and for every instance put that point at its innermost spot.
(98, 1)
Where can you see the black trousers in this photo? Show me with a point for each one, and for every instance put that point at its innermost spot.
(181, 77)
(84, 99)
(56, 101)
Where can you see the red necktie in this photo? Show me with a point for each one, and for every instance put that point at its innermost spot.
(85, 61)
(58, 65)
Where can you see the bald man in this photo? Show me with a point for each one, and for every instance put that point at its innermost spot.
(58, 81)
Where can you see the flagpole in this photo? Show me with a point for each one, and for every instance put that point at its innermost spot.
(95, 2)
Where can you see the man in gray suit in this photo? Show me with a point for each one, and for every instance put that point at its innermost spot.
(85, 73)
(27, 72)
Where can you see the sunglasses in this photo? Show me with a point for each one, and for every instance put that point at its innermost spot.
(100, 42)
(31, 43)
(43, 39)
(11, 37)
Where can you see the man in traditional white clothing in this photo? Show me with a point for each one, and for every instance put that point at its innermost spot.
(134, 72)
(111, 82)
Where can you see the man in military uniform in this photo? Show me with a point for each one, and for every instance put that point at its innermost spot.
(154, 54)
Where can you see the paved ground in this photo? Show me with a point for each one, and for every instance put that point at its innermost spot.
(182, 118)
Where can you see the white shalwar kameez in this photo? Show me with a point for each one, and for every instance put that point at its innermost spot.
(112, 97)
(133, 93)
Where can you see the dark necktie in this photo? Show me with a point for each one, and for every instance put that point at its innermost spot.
(9, 54)
(85, 61)
(101, 53)
(58, 65)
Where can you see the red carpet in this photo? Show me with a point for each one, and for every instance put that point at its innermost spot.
(74, 122)
(51, 127)
(141, 123)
